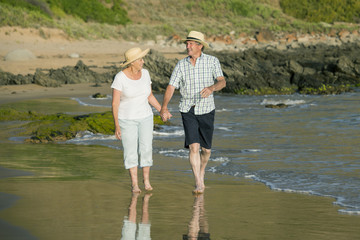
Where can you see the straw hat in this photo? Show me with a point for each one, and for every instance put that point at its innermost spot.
(134, 54)
(197, 37)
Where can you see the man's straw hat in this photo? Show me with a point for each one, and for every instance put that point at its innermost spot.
(134, 54)
(197, 37)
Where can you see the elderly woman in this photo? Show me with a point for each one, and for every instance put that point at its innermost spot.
(133, 116)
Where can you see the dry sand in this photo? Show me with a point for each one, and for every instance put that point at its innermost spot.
(54, 52)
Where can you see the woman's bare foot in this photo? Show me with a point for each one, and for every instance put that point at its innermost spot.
(135, 189)
(148, 187)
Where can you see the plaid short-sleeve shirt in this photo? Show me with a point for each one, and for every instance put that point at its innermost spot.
(192, 79)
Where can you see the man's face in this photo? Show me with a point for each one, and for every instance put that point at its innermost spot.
(193, 48)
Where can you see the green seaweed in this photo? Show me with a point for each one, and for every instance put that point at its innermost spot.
(60, 127)
(327, 90)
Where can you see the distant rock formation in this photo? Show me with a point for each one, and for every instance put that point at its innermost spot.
(19, 55)
(308, 69)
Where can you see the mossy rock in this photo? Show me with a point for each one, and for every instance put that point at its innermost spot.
(60, 126)
(99, 95)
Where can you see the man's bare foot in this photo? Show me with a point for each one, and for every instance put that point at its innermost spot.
(198, 190)
(135, 189)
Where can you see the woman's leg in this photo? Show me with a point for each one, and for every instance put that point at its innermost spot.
(146, 174)
(134, 180)
(129, 138)
(145, 149)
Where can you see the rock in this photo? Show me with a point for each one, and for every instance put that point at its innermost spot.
(99, 95)
(19, 55)
(264, 36)
(44, 80)
(279, 105)
(12, 79)
(295, 67)
(345, 65)
(160, 69)
(74, 55)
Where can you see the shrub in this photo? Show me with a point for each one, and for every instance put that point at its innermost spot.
(329, 11)
(93, 10)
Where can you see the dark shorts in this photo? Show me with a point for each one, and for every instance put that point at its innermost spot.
(198, 128)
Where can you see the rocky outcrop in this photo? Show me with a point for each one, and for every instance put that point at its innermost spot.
(160, 69)
(80, 73)
(309, 69)
(303, 69)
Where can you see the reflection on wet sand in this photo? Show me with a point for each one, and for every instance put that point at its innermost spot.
(198, 228)
(129, 227)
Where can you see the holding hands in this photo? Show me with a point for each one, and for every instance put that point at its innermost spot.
(165, 114)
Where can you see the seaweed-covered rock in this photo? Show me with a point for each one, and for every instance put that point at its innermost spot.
(7, 78)
(60, 127)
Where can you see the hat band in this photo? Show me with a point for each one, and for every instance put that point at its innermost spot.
(192, 38)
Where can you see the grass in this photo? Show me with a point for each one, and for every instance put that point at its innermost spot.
(152, 18)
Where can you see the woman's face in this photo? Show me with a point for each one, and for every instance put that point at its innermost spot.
(138, 64)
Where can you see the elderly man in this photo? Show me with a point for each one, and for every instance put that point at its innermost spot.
(197, 76)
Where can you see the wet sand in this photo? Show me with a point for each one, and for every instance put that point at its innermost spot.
(90, 200)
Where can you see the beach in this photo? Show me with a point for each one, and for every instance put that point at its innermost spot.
(83, 192)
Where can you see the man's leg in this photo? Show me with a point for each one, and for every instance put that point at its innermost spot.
(204, 156)
(195, 161)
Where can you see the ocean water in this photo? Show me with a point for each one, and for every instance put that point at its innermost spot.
(310, 147)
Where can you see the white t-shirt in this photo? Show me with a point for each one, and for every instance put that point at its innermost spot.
(134, 95)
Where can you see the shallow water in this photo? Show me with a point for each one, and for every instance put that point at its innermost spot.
(82, 192)
(312, 146)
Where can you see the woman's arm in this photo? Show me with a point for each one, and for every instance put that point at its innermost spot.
(154, 102)
(115, 111)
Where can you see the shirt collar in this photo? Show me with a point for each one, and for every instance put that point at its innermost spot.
(201, 56)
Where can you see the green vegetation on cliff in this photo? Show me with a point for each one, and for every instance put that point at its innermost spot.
(147, 19)
(328, 11)
(109, 11)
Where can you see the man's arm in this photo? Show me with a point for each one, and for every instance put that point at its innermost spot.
(164, 113)
(220, 84)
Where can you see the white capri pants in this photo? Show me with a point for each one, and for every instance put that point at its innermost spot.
(137, 136)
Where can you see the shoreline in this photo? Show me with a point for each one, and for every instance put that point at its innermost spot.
(16, 93)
